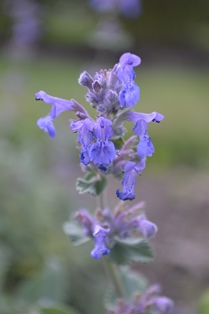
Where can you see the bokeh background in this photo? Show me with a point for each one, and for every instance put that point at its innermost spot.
(45, 45)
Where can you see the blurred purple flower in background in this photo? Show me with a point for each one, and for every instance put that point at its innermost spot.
(148, 302)
(26, 16)
(128, 8)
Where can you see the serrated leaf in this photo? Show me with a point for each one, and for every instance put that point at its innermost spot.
(127, 251)
(75, 232)
(131, 281)
(91, 183)
(118, 142)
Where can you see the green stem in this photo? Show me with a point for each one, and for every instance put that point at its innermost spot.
(112, 275)
(109, 267)
(101, 201)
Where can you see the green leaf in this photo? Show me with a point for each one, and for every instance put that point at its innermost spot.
(92, 183)
(118, 142)
(57, 310)
(127, 251)
(75, 232)
(131, 281)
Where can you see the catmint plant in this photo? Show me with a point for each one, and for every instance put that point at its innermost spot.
(121, 235)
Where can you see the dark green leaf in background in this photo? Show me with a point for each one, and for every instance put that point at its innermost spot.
(50, 284)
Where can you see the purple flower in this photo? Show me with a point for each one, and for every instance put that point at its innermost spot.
(129, 59)
(147, 302)
(47, 126)
(103, 151)
(99, 238)
(131, 169)
(146, 227)
(147, 117)
(129, 8)
(130, 93)
(129, 96)
(59, 105)
(85, 137)
(127, 62)
(145, 146)
(106, 226)
(163, 304)
(103, 6)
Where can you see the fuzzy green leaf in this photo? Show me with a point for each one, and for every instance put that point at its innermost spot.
(132, 282)
(75, 232)
(127, 251)
(91, 183)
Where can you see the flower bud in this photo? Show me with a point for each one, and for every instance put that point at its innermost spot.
(85, 79)
(147, 228)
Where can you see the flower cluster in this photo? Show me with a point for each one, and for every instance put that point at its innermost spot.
(101, 141)
(149, 302)
(128, 8)
(107, 228)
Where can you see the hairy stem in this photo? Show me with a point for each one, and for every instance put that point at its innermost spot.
(110, 268)
(101, 201)
(111, 272)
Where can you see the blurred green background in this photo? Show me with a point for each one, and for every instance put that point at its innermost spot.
(38, 265)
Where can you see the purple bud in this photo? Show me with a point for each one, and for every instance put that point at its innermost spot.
(147, 228)
(85, 220)
(85, 79)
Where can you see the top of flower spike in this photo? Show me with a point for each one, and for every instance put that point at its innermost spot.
(109, 92)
